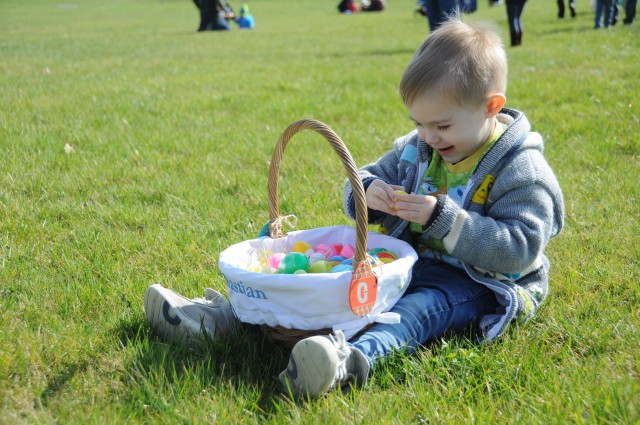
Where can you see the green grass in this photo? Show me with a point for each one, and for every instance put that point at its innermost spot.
(172, 133)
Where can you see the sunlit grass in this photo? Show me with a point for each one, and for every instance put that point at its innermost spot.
(169, 137)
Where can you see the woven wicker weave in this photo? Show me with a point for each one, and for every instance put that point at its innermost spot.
(288, 337)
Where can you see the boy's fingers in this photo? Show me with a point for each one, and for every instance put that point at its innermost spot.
(387, 195)
(403, 200)
(393, 196)
(409, 202)
(380, 200)
(384, 207)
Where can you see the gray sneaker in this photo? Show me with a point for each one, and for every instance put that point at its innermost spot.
(321, 363)
(179, 319)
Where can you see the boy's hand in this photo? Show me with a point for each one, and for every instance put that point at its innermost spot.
(415, 208)
(382, 196)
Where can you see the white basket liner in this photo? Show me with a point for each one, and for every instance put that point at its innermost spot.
(312, 301)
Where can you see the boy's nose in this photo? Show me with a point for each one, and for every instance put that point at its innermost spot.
(427, 136)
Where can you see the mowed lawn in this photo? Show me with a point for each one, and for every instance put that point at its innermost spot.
(134, 150)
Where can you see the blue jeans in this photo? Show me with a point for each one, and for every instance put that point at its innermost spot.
(604, 13)
(514, 11)
(437, 11)
(440, 298)
(630, 11)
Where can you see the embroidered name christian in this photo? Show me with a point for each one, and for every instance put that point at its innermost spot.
(249, 292)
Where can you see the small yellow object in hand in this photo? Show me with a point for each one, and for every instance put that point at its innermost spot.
(399, 192)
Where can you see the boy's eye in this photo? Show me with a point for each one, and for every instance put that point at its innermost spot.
(443, 127)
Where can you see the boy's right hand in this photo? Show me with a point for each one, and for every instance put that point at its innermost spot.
(382, 196)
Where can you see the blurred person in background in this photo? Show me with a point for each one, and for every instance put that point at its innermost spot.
(514, 11)
(572, 8)
(438, 11)
(605, 12)
(630, 11)
(245, 18)
(373, 5)
(214, 15)
(348, 6)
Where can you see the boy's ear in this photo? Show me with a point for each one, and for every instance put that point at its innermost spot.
(495, 104)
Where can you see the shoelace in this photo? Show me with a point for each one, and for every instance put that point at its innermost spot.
(340, 342)
(210, 297)
(201, 301)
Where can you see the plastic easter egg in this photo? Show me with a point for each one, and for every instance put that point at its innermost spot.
(387, 257)
(275, 259)
(337, 258)
(342, 268)
(321, 266)
(302, 247)
(292, 262)
(348, 261)
(347, 251)
(316, 256)
(327, 250)
(338, 247)
(268, 270)
(300, 271)
(401, 192)
(387, 254)
(386, 260)
(383, 254)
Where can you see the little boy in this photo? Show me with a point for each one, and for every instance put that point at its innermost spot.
(245, 20)
(480, 206)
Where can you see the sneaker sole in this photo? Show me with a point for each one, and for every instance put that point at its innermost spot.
(306, 373)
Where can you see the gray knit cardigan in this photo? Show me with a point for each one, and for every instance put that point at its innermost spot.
(507, 233)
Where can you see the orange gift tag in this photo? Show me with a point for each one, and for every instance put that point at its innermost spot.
(363, 289)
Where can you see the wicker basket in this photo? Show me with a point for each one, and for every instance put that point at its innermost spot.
(287, 336)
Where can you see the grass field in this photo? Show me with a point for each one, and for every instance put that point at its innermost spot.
(168, 137)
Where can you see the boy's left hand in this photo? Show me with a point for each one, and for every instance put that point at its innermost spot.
(415, 208)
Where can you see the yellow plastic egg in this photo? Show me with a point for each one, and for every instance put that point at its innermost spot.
(302, 247)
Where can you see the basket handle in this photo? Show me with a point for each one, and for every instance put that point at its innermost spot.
(275, 225)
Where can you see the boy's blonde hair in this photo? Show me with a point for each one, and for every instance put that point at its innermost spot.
(461, 60)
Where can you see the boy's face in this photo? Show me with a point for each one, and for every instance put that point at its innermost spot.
(455, 131)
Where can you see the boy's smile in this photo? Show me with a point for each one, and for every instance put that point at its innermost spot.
(455, 131)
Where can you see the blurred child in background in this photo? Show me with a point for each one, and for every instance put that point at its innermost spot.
(245, 19)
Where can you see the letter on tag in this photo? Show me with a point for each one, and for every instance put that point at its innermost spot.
(363, 289)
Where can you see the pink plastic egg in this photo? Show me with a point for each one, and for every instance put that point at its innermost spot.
(347, 251)
(274, 260)
(326, 250)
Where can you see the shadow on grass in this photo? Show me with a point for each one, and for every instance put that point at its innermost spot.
(567, 30)
(379, 52)
(247, 364)
(57, 383)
